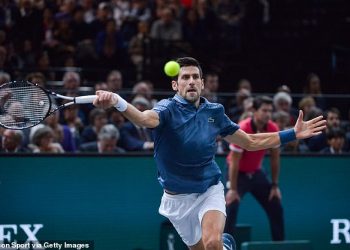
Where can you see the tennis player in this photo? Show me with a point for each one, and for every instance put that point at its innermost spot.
(185, 129)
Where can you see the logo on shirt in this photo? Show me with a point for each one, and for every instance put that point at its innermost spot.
(211, 119)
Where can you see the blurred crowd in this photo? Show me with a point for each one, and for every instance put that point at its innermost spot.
(123, 34)
(119, 39)
(84, 128)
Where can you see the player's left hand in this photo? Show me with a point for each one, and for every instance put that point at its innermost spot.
(306, 129)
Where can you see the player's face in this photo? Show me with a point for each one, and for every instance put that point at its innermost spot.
(189, 84)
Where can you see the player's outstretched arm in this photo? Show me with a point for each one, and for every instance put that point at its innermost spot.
(106, 99)
(301, 130)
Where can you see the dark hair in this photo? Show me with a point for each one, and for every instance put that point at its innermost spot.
(95, 113)
(33, 75)
(308, 80)
(40, 133)
(189, 61)
(212, 74)
(332, 110)
(310, 76)
(260, 100)
(335, 133)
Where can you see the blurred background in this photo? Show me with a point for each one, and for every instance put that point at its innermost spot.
(295, 51)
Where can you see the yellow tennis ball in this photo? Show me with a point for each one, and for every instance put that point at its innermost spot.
(171, 68)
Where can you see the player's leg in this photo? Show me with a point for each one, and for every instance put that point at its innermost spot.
(212, 215)
(213, 224)
(212, 227)
(212, 233)
(273, 207)
(182, 211)
(198, 218)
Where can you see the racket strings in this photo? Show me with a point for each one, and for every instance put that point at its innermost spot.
(23, 105)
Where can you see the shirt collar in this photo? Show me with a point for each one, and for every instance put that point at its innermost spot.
(334, 152)
(182, 100)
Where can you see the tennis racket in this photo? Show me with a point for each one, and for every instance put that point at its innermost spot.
(24, 104)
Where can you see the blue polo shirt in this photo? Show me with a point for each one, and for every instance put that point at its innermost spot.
(185, 143)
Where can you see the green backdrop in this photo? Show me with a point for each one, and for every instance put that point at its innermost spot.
(114, 200)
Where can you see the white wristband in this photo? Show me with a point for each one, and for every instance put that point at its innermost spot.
(122, 105)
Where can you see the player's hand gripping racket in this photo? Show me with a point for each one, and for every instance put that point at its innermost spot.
(24, 104)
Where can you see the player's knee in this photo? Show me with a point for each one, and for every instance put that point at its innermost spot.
(212, 242)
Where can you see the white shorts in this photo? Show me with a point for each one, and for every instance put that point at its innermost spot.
(185, 211)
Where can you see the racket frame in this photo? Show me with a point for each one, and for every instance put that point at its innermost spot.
(73, 100)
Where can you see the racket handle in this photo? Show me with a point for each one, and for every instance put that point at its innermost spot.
(85, 99)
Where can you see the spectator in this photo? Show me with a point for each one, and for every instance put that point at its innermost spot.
(246, 175)
(72, 119)
(208, 19)
(313, 113)
(97, 118)
(121, 8)
(107, 141)
(135, 138)
(103, 14)
(230, 14)
(61, 133)
(114, 81)
(116, 118)
(237, 108)
(79, 27)
(27, 23)
(283, 101)
(167, 28)
(335, 140)
(48, 26)
(26, 55)
(284, 88)
(12, 142)
(139, 48)
(194, 31)
(63, 32)
(43, 141)
(306, 104)
(38, 78)
(101, 86)
(89, 11)
(145, 90)
(319, 142)
(139, 12)
(71, 83)
(245, 84)
(281, 118)
(211, 84)
(313, 88)
(110, 46)
(4, 77)
(248, 109)
(44, 66)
